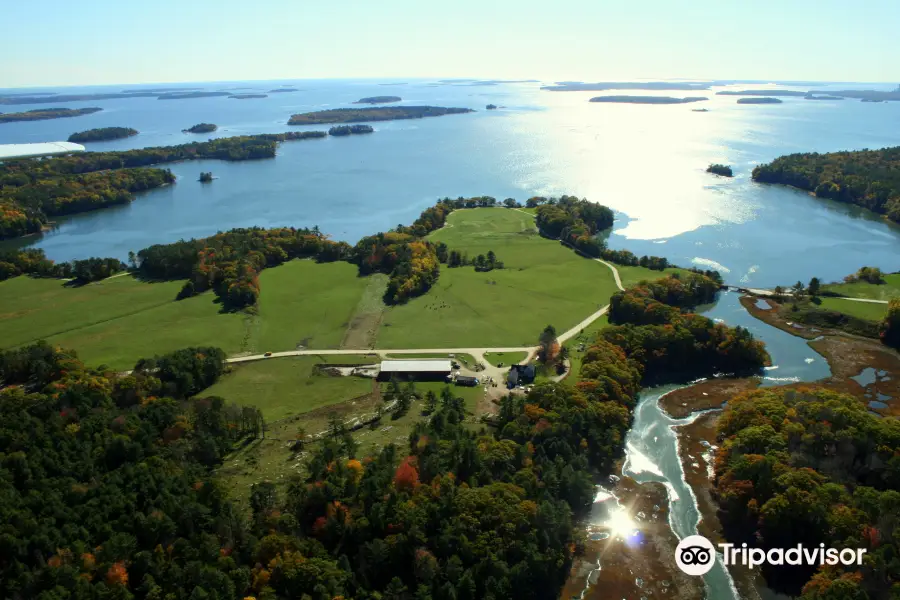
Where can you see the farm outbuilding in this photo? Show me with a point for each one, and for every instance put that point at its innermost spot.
(420, 369)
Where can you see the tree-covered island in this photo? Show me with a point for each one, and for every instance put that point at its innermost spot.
(718, 169)
(647, 99)
(359, 115)
(378, 100)
(102, 134)
(340, 130)
(247, 96)
(201, 128)
(765, 100)
(42, 114)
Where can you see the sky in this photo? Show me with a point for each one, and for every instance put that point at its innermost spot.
(97, 42)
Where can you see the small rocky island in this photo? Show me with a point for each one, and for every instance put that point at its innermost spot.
(205, 177)
(717, 169)
(699, 110)
(283, 90)
(102, 134)
(340, 130)
(360, 115)
(765, 100)
(647, 99)
(491, 107)
(378, 100)
(42, 114)
(201, 128)
(247, 96)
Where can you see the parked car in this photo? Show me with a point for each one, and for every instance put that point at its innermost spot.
(267, 354)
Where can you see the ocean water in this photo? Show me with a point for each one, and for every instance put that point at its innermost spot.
(646, 162)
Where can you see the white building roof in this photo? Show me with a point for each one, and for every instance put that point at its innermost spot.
(419, 365)
(10, 151)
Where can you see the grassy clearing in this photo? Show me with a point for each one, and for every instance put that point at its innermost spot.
(869, 311)
(303, 303)
(543, 283)
(633, 275)
(890, 289)
(119, 320)
(507, 358)
(116, 321)
(286, 386)
(273, 458)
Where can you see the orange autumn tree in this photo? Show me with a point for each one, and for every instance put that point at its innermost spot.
(117, 575)
(406, 477)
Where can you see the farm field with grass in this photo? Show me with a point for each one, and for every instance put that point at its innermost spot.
(889, 289)
(542, 283)
(870, 311)
(507, 358)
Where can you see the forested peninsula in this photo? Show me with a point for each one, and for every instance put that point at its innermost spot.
(33, 191)
(866, 178)
(358, 115)
(42, 114)
(647, 99)
(102, 134)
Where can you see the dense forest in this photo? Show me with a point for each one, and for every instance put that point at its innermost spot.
(358, 115)
(867, 178)
(340, 130)
(33, 191)
(201, 128)
(102, 134)
(650, 326)
(42, 114)
(105, 482)
(32, 261)
(810, 466)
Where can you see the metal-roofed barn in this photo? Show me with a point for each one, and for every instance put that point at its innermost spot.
(419, 369)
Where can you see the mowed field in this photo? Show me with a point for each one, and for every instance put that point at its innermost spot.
(870, 311)
(542, 283)
(889, 289)
(120, 320)
(281, 387)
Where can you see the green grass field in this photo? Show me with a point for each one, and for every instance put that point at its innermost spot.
(113, 322)
(543, 283)
(890, 289)
(119, 320)
(633, 275)
(507, 358)
(286, 386)
(305, 303)
(863, 310)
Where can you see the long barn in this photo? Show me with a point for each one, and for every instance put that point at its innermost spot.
(419, 369)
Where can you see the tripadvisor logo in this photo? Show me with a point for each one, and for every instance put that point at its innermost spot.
(696, 555)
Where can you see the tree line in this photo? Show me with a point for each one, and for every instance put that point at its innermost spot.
(33, 261)
(866, 178)
(33, 191)
(811, 466)
(652, 325)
